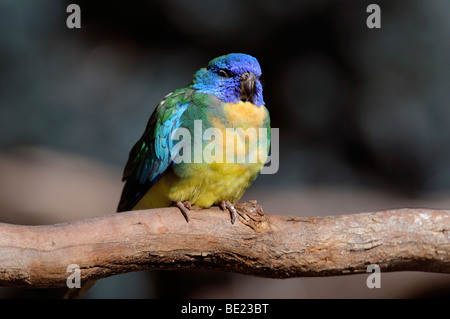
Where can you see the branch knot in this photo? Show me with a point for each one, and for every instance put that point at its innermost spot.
(252, 215)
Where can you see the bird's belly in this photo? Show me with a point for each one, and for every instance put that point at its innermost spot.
(208, 184)
(203, 185)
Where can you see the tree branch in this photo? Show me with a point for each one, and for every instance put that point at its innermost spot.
(257, 244)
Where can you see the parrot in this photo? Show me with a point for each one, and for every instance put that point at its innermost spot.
(225, 95)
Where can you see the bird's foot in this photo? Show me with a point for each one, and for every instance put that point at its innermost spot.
(184, 207)
(225, 204)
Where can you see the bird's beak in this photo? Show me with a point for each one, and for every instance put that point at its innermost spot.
(248, 87)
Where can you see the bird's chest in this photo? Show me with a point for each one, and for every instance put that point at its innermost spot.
(239, 134)
(241, 115)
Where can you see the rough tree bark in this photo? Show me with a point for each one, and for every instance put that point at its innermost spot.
(257, 244)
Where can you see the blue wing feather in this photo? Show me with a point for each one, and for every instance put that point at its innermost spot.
(150, 157)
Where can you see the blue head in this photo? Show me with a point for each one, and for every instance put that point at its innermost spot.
(232, 78)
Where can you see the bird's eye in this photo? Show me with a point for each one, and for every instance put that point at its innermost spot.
(224, 73)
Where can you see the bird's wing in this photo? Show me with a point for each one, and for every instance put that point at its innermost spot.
(151, 156)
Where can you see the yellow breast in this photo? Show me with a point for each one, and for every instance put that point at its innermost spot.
(244, 114)
(241, 127)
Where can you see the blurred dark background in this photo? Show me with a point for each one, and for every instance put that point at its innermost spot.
(363, 114)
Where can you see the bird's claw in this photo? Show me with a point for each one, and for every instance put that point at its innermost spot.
(184, 207)
(228, 205)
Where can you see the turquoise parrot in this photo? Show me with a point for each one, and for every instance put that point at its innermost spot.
(226, 96)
